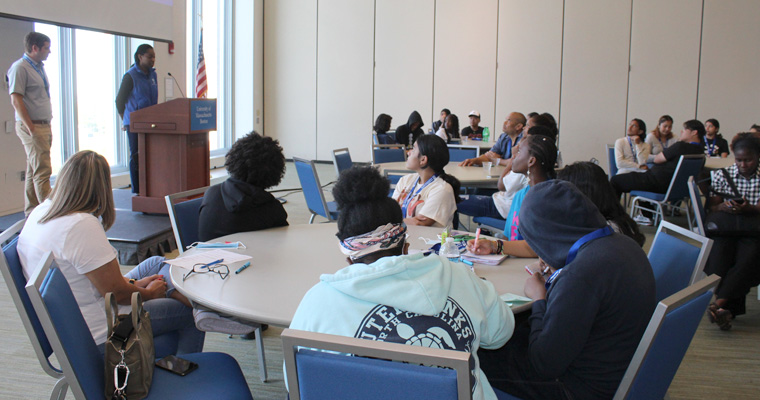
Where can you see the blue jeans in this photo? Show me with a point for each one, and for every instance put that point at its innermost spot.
(168, 315)
(479, 206)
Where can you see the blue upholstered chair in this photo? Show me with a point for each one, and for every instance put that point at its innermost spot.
(342, 160)
(385, 153)
(13, 274)
(697, 206)
(676, 261)
(184, 216)
(611, 163)
(688, 165)
(312, 191)
(373, 374)
(218, 374)
(665, 342)
(461, 153)
(497, 224)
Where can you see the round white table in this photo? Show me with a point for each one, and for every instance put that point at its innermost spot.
(472, 176)
(288, 261)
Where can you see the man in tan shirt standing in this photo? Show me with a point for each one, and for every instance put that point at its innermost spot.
(30, 96)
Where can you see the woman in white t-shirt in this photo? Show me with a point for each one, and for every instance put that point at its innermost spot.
(72, 224)
(631, 151)
(430, 196)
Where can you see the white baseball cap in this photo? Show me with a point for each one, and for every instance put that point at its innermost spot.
(474, 113)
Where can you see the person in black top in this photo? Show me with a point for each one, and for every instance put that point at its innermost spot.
(241, 203)
(437, 124)
(715, 145)
(657, 179)
(474, 131)
(408, 133)
(591, 306)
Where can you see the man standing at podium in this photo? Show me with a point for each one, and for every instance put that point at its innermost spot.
(30, 96)
(139, 89)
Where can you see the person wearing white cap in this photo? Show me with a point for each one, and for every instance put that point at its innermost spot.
(474, 131)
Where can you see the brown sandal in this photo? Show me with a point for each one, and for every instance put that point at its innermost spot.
(723, 318)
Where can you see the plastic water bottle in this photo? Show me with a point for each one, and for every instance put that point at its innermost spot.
(450, 250)
(486, 134)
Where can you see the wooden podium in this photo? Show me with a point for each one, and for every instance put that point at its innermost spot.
(173, 149)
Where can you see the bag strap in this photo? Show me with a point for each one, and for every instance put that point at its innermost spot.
(137, 308)
(112, 312)
(730, 182)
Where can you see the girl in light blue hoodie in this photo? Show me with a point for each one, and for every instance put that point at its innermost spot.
(387, 296)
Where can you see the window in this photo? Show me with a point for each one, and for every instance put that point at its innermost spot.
(97, 120)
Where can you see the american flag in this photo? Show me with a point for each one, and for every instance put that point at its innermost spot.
(201, 89)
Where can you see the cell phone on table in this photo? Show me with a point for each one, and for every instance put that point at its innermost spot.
(176, 365)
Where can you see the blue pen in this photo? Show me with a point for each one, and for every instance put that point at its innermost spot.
(468, 262)
(241, 269)
(212, 263)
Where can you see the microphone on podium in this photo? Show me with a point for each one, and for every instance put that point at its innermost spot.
(176, 83)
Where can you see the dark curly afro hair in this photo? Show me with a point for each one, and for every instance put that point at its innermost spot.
(257, 160)
(362, 197)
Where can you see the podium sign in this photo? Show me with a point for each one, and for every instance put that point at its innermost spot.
(203, 115)
(173, 150)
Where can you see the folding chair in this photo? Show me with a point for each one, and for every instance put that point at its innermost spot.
(697, 205)
(342, 160)
(371, 372)
(13, 274)
(676, 262)
(312, 191)
(218, 374)
(665, 342)
(385, 153)
(611, 164)
(688, 165)
(461, 153)
(184, 215)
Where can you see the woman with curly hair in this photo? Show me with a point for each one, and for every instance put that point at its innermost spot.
(386, 296)
(241, 203)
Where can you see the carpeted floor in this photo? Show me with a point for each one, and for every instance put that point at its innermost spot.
(718, 365)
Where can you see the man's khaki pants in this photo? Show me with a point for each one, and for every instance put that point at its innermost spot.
(38, 167)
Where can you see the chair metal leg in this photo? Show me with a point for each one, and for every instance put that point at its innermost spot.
(59, 390)
(262, 356)
(311, 220)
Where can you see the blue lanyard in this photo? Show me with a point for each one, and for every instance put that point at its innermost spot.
(711, 146)
(411, 194)
(633, 150)
(599, 233)
(39, 71)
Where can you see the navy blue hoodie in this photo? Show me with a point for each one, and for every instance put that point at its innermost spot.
(598, 306)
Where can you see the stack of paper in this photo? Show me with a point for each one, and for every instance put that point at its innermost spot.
(490, 259)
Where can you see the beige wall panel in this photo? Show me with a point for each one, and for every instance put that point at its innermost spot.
(404, 60)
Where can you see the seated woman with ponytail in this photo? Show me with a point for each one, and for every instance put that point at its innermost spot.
(535, 157)
(430, 196)
(402, 296)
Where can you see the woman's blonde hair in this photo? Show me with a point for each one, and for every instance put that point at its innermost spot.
(83, 185)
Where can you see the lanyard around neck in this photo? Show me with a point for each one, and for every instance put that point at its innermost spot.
(633, 150)
(411, 194)
(599, 233)
(711, 146)
(39, 71)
